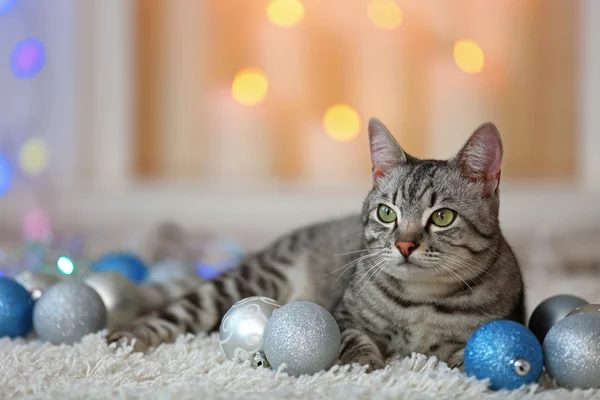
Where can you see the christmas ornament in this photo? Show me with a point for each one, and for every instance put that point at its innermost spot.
(16, 308)
(242, 327)
(171, 270)
(119, 295)
(572, 351)
(304, 336)
(550, 311)
(126, 264)
(67, 311)
(217, 256)
(506, 353)
(36, 282)
(591, 309)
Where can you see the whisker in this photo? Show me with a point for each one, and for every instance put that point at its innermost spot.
(369, 274)
(456, 275)
(356, 260)
(469, 262)
(359, 251)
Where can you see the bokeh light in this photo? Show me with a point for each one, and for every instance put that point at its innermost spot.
(6, 175)
(468, 56)
(285, 13)
(6, 6)
(249, 86)
(385, 14)
(65, 265)
(33, 157)
(27, 58)
(341, 122)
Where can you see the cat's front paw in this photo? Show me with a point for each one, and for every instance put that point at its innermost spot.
(371, 361)
(128, 338)
(457, 360)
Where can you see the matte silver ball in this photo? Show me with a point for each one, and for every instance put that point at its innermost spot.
(36, 282)
(68, 311)
(241, 330)
(590, 309)
(304, 336)
(550, 311)
(571, 352)
(120, 296)
(171, 270)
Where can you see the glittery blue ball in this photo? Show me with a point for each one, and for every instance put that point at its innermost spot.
(506, 353)
(126, 264)
(16, 309)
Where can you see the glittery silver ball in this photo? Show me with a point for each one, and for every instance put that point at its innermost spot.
(571, 350)
(119, 295)
(36, 282)
(242, 328)
(304, 336)
(590, 309)
(68, 311)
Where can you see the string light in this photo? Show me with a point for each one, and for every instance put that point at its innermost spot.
(285, 13)
(65, 265)
(33, 157)
(249, 86)
(27, 58)
(385, 14)
(468, 56)
(341, 122)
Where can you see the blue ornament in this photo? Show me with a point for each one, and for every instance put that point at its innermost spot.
(16, 309)
(126, 264)
(506, 353)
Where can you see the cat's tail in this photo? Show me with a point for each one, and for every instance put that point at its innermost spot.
(202, 308)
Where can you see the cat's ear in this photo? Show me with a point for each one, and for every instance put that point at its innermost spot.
(385, 150)
(480, 159)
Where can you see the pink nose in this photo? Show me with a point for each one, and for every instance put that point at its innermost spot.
(406, 248)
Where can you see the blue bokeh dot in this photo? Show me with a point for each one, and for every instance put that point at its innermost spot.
(6, 175)
(27, 58)
(6, 6)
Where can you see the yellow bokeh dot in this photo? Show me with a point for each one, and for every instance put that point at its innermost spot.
(385, 14)
(249, 86)
(33, 157)
(341, 122)
(468, 56)
(285, 13)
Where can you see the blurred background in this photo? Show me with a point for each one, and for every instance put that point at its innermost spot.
(248, 117)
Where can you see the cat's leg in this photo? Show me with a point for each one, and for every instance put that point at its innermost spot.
(457, 359)
(358, 347)
(203, 309)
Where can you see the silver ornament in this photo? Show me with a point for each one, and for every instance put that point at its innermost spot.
(36, 282)
(304, 336)
(591, 309)
(550, 311)
(119, 295)
(242, 327)
(171, 270)
(571, 350)
(67, 311)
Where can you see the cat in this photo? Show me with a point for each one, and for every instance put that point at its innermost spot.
(418, 270)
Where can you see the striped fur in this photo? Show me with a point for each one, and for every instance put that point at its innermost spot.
(387, 305)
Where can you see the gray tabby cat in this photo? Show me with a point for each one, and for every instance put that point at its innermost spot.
(419, 270)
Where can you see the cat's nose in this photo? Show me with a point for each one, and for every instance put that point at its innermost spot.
(406, 248)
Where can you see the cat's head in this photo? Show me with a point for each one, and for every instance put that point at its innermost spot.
(434, 220)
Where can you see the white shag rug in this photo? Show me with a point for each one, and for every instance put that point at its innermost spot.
(194, 368)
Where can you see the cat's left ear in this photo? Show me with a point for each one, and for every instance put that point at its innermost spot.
(481, 157)
(386, 153)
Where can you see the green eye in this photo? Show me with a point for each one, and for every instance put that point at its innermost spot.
(386, 214)
(443, 217)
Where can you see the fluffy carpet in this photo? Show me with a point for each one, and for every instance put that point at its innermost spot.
(193, 368)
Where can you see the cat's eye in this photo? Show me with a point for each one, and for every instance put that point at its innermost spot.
(386, 214)
(443, 217)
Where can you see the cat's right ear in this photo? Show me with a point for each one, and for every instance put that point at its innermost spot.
(385, 150)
